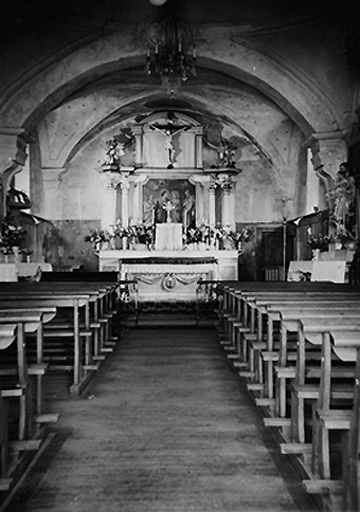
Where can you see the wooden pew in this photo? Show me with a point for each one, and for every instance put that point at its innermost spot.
(335, 315)
(33, 321)
(20, 444)
(335, 417)
(76, 302)
(78, 297)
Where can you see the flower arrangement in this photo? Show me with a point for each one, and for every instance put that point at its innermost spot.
(320, 242)
(136, 233)
(244, 235)
(192, 235)
(120, 231)
(10, 236)
(97, 237)
(343, 235)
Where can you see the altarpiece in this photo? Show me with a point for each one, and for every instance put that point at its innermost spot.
(159, 180)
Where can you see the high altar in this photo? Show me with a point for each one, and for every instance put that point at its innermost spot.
(167, 187)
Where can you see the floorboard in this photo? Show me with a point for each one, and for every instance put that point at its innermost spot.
(166, 426)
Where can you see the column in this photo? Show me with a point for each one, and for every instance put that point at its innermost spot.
(201, 183)
(228, 202)
(212, 211)
(200, 216)
(125, 186)
(137, 212)
(137, 131)
(198, 131)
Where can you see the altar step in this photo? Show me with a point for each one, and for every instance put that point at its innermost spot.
(170, 314)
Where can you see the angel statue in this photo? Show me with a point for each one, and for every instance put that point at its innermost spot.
(117, 145)
(225, 148)
(114, 152)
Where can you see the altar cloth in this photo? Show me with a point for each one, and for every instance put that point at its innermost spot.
(168, 237)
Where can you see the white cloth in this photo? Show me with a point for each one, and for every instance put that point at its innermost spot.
(298, 270)
(8, 272)
(334, 271)
(168, 237)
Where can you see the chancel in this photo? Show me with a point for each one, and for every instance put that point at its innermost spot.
(179, 209)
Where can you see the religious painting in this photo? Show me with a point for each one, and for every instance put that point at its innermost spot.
(165, 199)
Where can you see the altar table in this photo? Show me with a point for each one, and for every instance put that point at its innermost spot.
(170, 275)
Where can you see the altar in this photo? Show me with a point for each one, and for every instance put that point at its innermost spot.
(161, 201)
(170, 275)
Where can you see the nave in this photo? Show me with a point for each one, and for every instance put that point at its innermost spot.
(167, 425)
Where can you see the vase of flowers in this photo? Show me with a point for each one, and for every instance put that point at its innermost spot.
(240, 237)
(99, 238)
(11, 238)
(316, 254)
(320, 242)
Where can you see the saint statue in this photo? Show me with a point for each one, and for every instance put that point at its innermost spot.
(343, 195)
(188, 208)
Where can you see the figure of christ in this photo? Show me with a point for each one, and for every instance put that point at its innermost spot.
(169, 131)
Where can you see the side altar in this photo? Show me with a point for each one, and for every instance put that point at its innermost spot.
(170, 275)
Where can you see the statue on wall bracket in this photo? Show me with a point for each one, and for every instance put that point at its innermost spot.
(228, 150)
(116, 149)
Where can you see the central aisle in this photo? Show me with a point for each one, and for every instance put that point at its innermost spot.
(166, 427)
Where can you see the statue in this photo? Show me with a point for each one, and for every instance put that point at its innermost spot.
(343, 195)
(188, 209)
(149, 210)
(169, 131)
(114, 153)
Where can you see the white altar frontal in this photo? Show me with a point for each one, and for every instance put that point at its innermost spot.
(170, 275)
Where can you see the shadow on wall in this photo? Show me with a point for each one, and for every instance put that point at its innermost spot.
(65, 248)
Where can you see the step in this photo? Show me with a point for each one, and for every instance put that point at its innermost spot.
(47, 418)
(323, 487)
(295, 448)
(265, 402)
(277, 422)
(255, 386)
(26, 445)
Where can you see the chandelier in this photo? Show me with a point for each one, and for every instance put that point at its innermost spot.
(171, 53)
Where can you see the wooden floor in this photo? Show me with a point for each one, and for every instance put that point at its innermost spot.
(167, 426)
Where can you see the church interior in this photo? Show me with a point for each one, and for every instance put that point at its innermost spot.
(179, 182)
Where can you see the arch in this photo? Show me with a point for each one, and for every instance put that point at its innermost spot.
(51, 86)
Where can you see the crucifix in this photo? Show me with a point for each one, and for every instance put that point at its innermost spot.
(169, 130)
(168, 207)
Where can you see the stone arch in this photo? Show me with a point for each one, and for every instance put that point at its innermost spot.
(50, 86)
